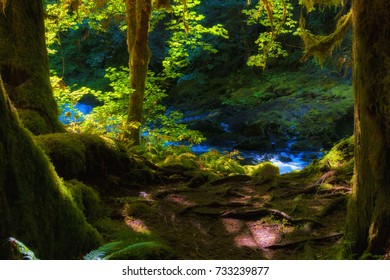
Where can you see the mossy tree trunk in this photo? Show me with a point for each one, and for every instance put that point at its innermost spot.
(24, 64)
(35, 206)
(138, 16)
(368, 225)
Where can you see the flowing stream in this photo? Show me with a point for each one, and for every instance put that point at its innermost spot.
(287, 161)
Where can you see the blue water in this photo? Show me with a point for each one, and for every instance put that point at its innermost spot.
(287, 161)
(75, 111)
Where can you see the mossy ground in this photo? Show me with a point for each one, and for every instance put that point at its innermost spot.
(264, 216)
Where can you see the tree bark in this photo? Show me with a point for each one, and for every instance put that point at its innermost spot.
(24, 65)
(369, 209)
(35, 206)
(138, 15)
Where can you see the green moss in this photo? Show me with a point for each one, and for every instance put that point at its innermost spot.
(24, 64)
(34, 122)
(67, 152)
(86, 157)
(41, 209)
(86, 199)
(187, 161)
(263, 169)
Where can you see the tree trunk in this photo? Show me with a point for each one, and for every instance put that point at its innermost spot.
(369, 209)
(138, 16)
(35, 206)
(24, 64)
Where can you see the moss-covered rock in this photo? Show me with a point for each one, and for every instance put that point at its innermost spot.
(93, 159)
(86, 199)
(340, 157)
(36, 207)
(185, 161)
(267, 169)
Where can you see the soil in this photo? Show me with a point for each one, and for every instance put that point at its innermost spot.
(287, 217)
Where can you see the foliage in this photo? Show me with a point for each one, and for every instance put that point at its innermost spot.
(222, 164)
(125, 250)
(189, 37)
(277, 17)
(18, 251)
(58, 20)
(309, 4)
(160, 124)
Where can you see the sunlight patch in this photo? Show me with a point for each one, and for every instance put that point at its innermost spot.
(178, 200)
(264, 235)
(137, 225)
(233, 225)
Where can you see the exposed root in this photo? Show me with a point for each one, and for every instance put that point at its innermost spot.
(214, 204)
(294, 244)
(332, 206)
(262, 212)
(229, 179)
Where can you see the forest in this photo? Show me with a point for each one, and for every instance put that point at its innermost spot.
(194, 129)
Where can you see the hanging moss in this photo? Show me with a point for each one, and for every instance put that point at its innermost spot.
(322, 46)
(36, 206)
(310, 4)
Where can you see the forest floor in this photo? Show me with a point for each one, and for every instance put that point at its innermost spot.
(291, 216)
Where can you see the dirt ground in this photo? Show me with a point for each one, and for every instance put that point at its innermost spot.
(286, 217)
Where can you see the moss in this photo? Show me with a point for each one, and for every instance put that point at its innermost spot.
(86, 157)
(309, 4)
(24, 64)
(139, 208)
(34, 122)
(41, 209)
(86, 199)
(322, 46)
(186, 161)
(264, 169)
(340, 156)
(67, 152)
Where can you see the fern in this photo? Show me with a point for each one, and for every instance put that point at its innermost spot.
(118, 249)
(18, 250)
(103, 251)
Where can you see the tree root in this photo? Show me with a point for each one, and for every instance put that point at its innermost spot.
(214, 204)
(294, 244)
(262, 212)
(331, 207)
(229, 179)
(163, 193)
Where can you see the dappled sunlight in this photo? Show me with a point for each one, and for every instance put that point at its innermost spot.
(245, 240)
(258, 236)
(178, 199)
(264, 235)
(233, 225)
(136, 225)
